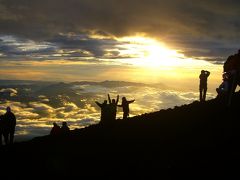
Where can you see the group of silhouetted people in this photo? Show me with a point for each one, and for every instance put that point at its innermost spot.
(7, 126)
(109, 109)
(57, 130)
(230, 80)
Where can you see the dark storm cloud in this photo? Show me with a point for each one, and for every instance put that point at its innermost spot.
(215, 21)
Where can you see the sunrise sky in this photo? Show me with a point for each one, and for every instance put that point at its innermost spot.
(139, 40)
(144, 41)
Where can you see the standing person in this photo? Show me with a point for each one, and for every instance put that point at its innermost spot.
(56, 130)
(232, 68)
(113, 107)
(65, 129)
(9, 124)
(203, 84)
(104, 111)
(125, 106)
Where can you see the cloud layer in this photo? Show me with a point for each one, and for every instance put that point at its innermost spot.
(36, 109)
(198, 28)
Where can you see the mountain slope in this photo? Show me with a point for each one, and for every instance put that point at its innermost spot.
(198, 135)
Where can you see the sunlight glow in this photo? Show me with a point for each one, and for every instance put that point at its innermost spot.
(149, 53)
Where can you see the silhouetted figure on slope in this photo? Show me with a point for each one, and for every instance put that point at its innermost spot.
(232, 68)
(223, 88)
(9, 124)
(125, 107)
(113, 108)
(232, 62)
(104, 112)
(65, 129)
(203, 84)
(1, 129)
(56, 130)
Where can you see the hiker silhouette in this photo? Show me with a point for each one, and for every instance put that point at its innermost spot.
(9, 124)
(125, 107)
(203, 84)
(64, 128)
(113, 108)
(56, 130)
(104, 111)
(232, 68)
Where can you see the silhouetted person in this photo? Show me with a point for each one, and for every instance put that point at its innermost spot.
(65, 129)
(232, 68)
(9, 124)
(223, 89)
(56, 130)
(113, 107)
(1, 129)
(203, 84)
(125, 107)
(232, 62)
(104, 111)
(224, 86)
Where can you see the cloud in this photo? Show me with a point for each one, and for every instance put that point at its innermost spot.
(42, 109)
(179, 23)
(35, 118)
(83, 45)
(79, 47)
(14, 47)
(10, 91)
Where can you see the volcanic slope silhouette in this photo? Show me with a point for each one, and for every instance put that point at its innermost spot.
(197, 135)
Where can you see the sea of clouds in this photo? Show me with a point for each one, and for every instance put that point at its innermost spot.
(37, 105)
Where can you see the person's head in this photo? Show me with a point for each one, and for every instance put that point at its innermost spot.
(113, 100)
(124, 99)
(202, 71)
(8, 109)
(54, 124)
(224, 76)
(105, 102)
(64, 123)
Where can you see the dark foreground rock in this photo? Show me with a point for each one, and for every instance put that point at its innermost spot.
(198, 135)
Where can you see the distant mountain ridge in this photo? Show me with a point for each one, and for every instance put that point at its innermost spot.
(106, 83)
(196, 135)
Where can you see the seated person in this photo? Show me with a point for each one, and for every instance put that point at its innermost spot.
(224, 86)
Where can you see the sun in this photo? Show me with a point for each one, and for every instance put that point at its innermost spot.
(148, 52)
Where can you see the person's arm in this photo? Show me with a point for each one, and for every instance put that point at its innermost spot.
(117, 99)
(109, 99)
(131, 101)
(99, 104)
(207, 73)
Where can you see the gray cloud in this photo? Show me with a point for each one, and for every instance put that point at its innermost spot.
(180, 23)
(70, 47)
(14, 47)
(85, 45)
(9, 91)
